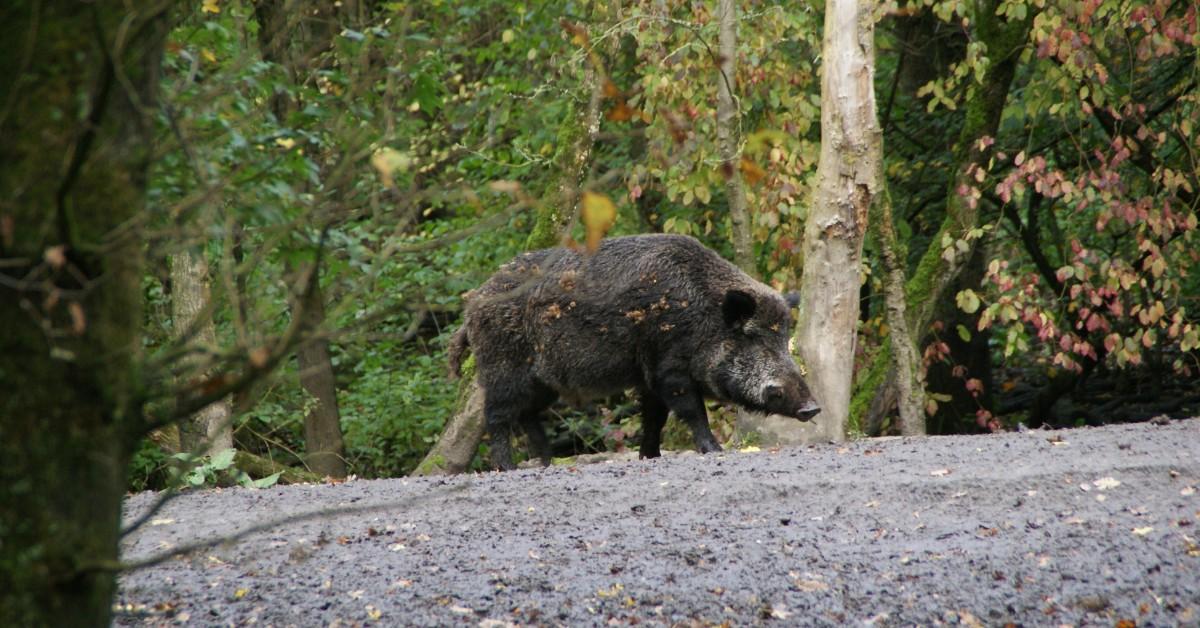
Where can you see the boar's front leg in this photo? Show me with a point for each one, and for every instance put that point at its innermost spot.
(684, 398)
(654, 417)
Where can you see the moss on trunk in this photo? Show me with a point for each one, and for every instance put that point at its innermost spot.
(985, 102)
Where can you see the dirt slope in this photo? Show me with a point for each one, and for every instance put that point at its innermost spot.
(1083, 527)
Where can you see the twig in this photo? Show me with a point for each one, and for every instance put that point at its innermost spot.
(155, 559)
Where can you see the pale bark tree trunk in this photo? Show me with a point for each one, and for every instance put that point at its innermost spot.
(910, 381)
(851, 147)
(728, 137)
(460, 440)
(464, 430)
(211, 429)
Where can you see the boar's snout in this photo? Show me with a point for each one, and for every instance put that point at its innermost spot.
(789, 398)
(807, 411)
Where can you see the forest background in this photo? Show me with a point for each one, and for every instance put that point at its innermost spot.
(315, 185)
(394, 154)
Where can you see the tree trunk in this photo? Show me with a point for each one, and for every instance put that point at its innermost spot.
(292, 33)
(325, 451)
(576, 137)
(460, 440)
(211, 429)
(70, 294)
(936, 271)
(728, 137)
(851, 147)
(906, 360)
(928, 285)
(464, 430)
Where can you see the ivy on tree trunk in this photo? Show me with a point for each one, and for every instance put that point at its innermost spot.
(937, 269)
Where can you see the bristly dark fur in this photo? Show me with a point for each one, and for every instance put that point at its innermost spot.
(658, 313)
(458, 346)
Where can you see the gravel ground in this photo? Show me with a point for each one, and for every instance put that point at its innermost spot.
(1076, 527)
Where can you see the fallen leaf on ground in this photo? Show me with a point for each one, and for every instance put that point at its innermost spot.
(611, 591)
(1143, 531)
(937, 473)
(1106, 483)
(809, 586)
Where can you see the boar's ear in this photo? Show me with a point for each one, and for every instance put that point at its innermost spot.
(738, 308)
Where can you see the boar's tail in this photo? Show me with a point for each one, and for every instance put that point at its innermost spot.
(458, 346)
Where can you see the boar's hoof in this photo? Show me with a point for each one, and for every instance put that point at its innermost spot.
(648, 453)
(502, 463)
(708, 446)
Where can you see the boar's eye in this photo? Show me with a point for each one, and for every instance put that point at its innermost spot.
(739, 307)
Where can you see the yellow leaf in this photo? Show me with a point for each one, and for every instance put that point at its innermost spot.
(388, 162)
(240, 593)
(751, 172)
(507, 36)
(208, 55)
(285, 142)
(1143, 531)
(599, 213)
(210, 6)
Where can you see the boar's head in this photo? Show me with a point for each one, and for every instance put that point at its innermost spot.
(752, 365)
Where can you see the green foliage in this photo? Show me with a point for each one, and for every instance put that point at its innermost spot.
(412, 149)
(196, 471)
(149, 466)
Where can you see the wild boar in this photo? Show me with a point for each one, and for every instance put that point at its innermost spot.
(661, 314)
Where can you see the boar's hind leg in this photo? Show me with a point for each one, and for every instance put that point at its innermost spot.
(536, 432)
(512, 404)
(499, 419)
(531, 420)
(654, 417)
(685, 400)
